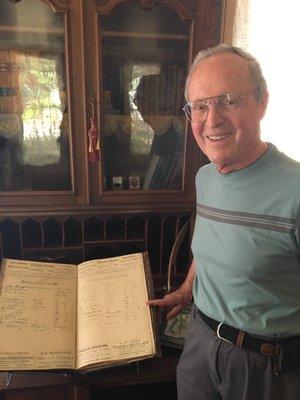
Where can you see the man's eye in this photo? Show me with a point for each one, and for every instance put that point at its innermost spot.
(228, 100)
(199, 106)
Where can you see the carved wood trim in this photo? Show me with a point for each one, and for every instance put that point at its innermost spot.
(58, 5)
(186, 9)
(147, 4)
(213, 23)
(191, 5)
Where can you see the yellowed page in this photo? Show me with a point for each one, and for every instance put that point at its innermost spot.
(37, 315)
(113, 321)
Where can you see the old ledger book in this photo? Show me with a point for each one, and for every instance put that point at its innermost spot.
(58, 316)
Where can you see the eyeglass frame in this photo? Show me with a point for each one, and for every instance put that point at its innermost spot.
(207, 103)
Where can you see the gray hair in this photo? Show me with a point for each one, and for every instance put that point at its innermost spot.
(256, 74)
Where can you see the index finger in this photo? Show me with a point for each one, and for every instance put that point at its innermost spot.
(157, 302)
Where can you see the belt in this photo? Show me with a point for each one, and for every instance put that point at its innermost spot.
(271, 347)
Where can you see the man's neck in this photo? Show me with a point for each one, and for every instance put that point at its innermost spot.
(228, 168)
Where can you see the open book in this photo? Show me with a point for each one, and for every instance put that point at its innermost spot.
(59, 316)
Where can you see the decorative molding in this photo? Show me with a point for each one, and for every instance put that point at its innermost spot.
(214, 16)
(101, 2)
(57, 5)
(184, 8)
(58, 2)
(147, 4)
(191, 5)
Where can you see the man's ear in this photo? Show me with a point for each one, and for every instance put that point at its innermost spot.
(263, 104)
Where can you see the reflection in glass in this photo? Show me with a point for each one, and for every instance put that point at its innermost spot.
(34, 128)
(144, 68)
(42, 110)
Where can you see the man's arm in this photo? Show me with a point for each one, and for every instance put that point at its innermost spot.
(176, 301)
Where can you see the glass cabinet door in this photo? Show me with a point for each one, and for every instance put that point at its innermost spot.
(34, 122)
(144, 63)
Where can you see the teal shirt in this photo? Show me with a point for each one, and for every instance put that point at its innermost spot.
(246, 245)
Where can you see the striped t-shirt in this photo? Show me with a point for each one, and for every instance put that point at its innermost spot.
(246, 245)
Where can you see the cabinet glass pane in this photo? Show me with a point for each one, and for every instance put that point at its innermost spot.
(144, 68)
(34, 122)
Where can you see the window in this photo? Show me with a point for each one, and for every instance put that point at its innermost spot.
(270, 31)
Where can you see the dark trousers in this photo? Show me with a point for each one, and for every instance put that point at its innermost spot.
(212, 369)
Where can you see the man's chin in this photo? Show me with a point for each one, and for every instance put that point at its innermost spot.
(217, 159)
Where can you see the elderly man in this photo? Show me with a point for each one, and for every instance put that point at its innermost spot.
(243, 340)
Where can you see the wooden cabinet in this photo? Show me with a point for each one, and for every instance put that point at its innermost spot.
(146, 379)
(142, 50)
(42, 104)
(96, 157)
(91, 100)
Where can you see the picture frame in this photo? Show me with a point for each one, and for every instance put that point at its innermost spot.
(173, 331)
(134, 182)
(117, 182)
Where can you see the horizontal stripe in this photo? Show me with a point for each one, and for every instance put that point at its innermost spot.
(270, 222)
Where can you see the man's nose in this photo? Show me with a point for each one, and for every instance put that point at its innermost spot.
(214, 115)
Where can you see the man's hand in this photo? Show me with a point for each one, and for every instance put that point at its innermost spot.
(176, 301)
(173, 302)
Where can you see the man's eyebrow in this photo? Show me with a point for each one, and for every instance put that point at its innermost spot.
(212, 97)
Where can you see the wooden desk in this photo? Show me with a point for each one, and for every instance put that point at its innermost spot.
(156, 375)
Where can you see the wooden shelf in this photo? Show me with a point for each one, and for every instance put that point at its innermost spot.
(30, 29)
(144, 35)
(108, 241)
(79, 247)
(161, 369)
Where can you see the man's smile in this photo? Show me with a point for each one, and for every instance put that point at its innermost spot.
(216, 138)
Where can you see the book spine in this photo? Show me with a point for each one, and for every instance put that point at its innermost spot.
(150, 171)
(175, 182)
(158, 94)
(153, 94)
(180, 91)
(174, 88)
(157, 173)
(147, 96)
(169, 90)
(170, 170)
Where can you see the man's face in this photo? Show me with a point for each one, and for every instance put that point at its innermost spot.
(232, 140)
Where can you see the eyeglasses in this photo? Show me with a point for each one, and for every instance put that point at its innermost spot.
(226, 103)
